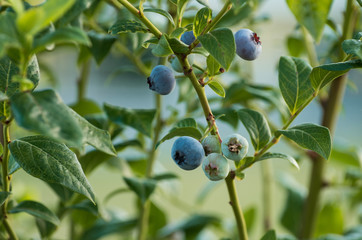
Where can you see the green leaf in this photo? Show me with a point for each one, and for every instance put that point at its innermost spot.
(87, 206)
(269, 235)
(238, 3)
(36, 19)
(181, 6)
(103, 228)
(182, 131)
(44, 112)
(295, 45)
(161, 12)
(163, 48)
(142, 187)
(9, 36)
(8, 70)
(346, 154)
(101, 45)
(190, 226)
(294, 204)
(313, 137)
(61, 36)
(3, 197)
(294, 82)
(37, 210)
(45, 228)
(177, 46)
(257, 127)
(187, 122)
(86, 107)
(141, 119)
(217, 88)
(202, 18)
(164, 176)
(93, 159)
(353, 46)
(324, 74)
(52, 162)
(311, 14)
(65, 194)
(157, 220)
(13, 165)
(213, 67)
(269, 155)
(73, 13)
(98, 138)
(220, 44)
(250, 215)
(125, 26)
(330, 220)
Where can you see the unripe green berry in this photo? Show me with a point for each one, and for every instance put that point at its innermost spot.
(216, 167)
(211, 144)
(234, 147)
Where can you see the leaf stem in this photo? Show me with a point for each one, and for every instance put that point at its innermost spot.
(152, 28)
(266, 194)
(234, 202)
(6, 178)
(83, 80)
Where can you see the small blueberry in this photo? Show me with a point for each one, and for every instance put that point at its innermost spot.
(161, 80)
(248, 44)
(187, 153)
(188, 37)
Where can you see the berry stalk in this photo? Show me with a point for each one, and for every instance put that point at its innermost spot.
(6, 178)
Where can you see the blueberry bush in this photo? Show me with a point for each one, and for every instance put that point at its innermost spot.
(188, 48)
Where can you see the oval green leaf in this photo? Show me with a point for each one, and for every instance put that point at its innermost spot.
(161, 12)
(220, 44)
(311, 14)
(257, 127)
(52, 162)
(310, 136)
(269, 155)
(217, 88)
(37, 210)
(202, 18)
(294, 82)
(45, 112)
(8, 70)
(142, 187)
(324, 74)
(139, 119)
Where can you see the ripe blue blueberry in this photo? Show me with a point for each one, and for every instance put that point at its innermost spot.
(211, 144)
(234, 147)
(188, 37)
(248, 45)
(161, 80)
(187, 153)
(216, 167)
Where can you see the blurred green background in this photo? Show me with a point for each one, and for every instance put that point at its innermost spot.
(130, 90)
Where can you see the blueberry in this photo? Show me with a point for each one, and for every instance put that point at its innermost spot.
(216, 167)
(248, 45)
(211, 144)
(188, 37)
(187, 153)
(234, 147)
(161, 80)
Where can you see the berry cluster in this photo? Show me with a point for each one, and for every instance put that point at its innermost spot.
(188, 154)
(162, 79)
